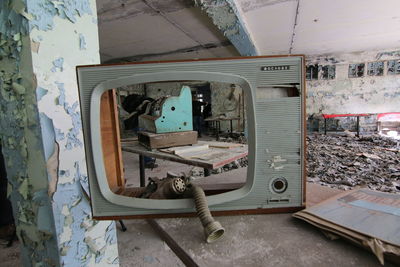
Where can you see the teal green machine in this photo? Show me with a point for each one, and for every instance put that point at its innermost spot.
(275, 180)
(169, 114)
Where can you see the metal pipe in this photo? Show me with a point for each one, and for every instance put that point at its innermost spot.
(213, 230)
(142, 174)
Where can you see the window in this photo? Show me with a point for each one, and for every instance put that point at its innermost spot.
(356, 70)
(393, 67)
(328, 72)
(312, 72)
(375, 68)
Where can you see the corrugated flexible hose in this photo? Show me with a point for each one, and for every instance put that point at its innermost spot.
(213, 230)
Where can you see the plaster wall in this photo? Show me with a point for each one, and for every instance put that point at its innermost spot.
(70, 42)
(21, 140)
(342, 95)
(41, 132)
(157, 90)
(219, 96)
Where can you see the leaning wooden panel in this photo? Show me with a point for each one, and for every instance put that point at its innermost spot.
(110, 138)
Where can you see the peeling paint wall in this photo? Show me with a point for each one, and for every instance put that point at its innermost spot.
(41, 42)
(157, 90)
(21, 140)
(221, 104)
(368, 94)
(229, 20)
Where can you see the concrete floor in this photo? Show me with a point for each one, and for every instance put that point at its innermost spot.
(252, 240)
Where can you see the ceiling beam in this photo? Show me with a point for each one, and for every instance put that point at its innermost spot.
(226, 16)
(209, 46)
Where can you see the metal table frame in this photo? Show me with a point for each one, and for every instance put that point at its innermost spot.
(135, 147)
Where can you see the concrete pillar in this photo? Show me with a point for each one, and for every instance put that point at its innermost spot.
(41, 42)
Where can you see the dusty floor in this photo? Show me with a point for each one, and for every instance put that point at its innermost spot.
(253, 240)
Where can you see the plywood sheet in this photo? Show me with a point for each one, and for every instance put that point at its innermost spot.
(369, 218)
(110, 139)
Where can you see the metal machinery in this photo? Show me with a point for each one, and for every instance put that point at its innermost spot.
(169, 114)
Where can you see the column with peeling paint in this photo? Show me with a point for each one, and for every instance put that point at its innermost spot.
(41, 42)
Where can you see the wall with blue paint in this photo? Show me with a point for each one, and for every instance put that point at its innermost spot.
(41, 42)
(20, 136)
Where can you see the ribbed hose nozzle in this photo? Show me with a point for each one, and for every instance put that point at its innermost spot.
(213, 230)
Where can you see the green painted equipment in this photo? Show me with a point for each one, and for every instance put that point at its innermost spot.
(169, 114)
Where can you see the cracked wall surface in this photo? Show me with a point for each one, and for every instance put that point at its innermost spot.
(41, 42)
(343, 95)
(223, 104)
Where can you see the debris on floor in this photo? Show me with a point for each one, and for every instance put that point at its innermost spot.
(368, 218)
(345, 162)
(236, 164)
(234, 138)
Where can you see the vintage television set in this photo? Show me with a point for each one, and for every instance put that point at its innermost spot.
(275, 132)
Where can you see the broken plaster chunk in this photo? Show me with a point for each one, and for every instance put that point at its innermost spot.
(82, 42)
(95, 248)
(35, 46)
(52, 165)
(87, 223)
(22, 217)
(24, 189)
(17, 36)
(76, 201)
(19, 89)
(64, 250)
(58, 64)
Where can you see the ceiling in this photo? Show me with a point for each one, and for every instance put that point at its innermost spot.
(131, 30)
(322, 26)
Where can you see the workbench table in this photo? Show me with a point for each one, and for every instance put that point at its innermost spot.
(218, 123)
(329, 116)
(218, 156)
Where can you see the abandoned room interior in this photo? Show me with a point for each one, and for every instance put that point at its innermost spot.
(199, 133)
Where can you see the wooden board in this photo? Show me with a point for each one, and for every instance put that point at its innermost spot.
(369, 218)
(163, 140)
(228, 156)
(224, 145)
(187, 151)
(194, 214)
(110, 140)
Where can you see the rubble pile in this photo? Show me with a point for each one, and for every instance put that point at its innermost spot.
(240, 163)
(234, 138)
(345, 162)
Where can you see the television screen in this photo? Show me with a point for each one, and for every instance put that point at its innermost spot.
(235, 127)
